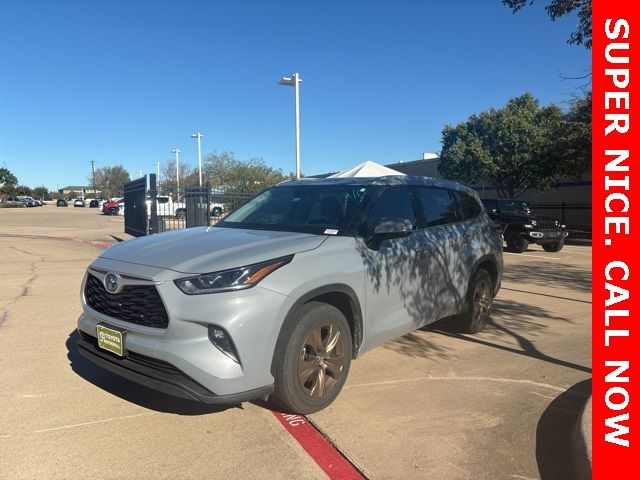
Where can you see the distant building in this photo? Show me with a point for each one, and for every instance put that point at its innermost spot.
(79, 190)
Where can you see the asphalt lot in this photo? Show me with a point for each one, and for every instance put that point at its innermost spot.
(434, 404)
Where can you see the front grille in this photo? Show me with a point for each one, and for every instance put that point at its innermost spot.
(139, 304)
(548, 225)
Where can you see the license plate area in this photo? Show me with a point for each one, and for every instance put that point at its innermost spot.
(111, 339)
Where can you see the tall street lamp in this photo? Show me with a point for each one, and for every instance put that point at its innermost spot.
(198, 136)
(177, 152)
(295, 81)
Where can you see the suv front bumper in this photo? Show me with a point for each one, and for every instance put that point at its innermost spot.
(546, 236)
(159, 375)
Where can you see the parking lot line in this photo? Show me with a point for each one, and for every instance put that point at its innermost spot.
(530, 255)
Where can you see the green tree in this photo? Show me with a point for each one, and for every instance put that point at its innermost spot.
(247, 176)
(510, 148)
(23, 190)
(572, 140)
(111, 180)
(7, 178)
(41, 193)
(558, 9)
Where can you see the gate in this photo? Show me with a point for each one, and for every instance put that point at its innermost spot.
(135, 207)
(197, 205)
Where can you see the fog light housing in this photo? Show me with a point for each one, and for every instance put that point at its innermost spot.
(221, 339)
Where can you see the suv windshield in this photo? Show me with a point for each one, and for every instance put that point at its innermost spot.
(319, 209)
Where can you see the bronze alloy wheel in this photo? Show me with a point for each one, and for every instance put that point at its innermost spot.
(321, 360)
(482, 301)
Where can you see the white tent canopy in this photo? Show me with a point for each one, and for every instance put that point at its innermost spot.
(367, 169)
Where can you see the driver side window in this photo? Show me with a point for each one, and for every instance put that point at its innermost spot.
(395, 202)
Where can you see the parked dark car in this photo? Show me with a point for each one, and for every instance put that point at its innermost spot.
(62, 203)
(94, 203)
(520, 226)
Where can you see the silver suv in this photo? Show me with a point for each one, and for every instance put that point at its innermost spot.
(277, 299)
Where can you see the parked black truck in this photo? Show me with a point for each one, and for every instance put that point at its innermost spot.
(520, 226)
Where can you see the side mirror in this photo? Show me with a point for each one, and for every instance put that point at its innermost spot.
(389, 228)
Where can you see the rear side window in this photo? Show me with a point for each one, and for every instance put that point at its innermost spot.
(391, 203)
(437, 206)
(467, 205)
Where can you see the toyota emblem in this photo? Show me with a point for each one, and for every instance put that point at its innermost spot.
(111, 282)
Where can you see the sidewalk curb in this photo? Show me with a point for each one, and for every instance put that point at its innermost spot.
(582, 442)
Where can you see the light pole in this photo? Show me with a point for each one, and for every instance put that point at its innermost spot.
(198, 136)
(295, 81)
(157, 164)
(177, 152)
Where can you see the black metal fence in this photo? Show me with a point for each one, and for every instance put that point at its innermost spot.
(135, 210)
(149, 210)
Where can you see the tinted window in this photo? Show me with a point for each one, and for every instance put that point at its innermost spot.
(437, 205)
(303, 208)
(391, 203)
(163, 199)
(467, 205)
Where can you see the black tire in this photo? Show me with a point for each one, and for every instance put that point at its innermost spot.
(553, 247)
(479, 303)
(112, 211)
(517, 244)
(297, 364)
(216, 212)
(181, 214)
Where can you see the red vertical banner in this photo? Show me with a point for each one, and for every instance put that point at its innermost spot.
(616, 240)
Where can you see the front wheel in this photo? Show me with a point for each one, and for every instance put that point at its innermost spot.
(517, 244)
(312, 359)
(479, 302)
(113, 211)
(553, 247)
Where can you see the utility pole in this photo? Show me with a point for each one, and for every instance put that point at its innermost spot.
(93, 177)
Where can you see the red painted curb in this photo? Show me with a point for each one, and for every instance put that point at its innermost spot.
(328, 458)
(51, 237)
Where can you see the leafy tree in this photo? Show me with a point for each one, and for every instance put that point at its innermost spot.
(7, 178)
(247, 176)
(111, 180)
(559, 8)
(511, 148)
(23, 190)
(71, 195)
(572, 139)
(41, 193)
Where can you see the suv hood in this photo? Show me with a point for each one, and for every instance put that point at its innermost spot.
(517, 216)
(204, 250)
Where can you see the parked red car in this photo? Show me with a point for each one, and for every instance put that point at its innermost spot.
(112, 207)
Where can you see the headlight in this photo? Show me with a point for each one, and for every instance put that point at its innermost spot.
(533, 222)
(233, 279)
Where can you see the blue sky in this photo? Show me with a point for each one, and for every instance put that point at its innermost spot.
(124, 81)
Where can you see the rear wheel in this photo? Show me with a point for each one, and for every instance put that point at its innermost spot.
(553, 247)
(312, 359)
(517, 244)
(479, 302)
(216, 212)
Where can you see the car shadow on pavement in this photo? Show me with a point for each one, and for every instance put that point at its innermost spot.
(131, 391)
(555, 443)
(511, 321)
(549, 274)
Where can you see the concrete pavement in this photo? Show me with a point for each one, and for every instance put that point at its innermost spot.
(434, 404)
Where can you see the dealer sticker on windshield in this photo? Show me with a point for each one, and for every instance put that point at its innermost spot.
(330, 231)
(110, 340)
